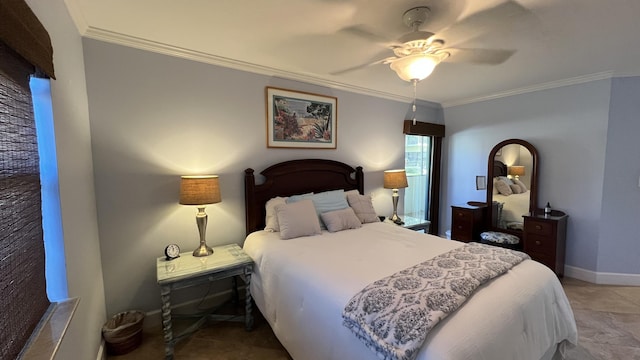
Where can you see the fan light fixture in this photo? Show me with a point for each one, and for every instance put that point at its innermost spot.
(414, 68)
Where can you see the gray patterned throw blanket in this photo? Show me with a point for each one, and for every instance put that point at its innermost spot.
(392, 316)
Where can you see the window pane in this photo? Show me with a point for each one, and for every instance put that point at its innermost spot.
(417, 163)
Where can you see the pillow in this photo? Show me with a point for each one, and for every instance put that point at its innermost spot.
(505, 179)
(522, 185)
(363, 208)
(503, 188)
(294, 198)
(346, 193)
(343, 219)
(297, 219)
(324, 202)
(515, 188)
(271, 220)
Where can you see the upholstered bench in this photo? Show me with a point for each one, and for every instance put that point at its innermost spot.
(500, 239)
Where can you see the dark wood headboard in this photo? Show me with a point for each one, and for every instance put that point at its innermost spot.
(499, 168)
(296, 177)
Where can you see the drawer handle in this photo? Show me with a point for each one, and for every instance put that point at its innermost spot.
(459, 227)
(460, 214)
(537, 242)
(538, 227)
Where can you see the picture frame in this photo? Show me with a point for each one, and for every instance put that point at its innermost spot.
(300, 120)
(481, 182)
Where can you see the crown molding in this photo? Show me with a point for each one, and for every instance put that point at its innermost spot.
(166, 49)
(532, 88)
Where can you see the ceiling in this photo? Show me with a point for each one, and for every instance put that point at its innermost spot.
(540, 43)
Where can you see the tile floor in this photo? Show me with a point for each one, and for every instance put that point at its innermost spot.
(608, 319)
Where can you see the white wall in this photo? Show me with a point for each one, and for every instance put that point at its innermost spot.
(620, 231)
(568, 127)
(73, 146)
(155, 117)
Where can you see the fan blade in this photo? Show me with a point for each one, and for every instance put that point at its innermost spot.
(496, 19)
(376, 60)
(362, 32)
(478, 56)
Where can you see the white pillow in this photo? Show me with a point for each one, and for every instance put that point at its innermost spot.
(522, 185)
(324, 202)
(363, 207)
(503, 188)
(271, 220)
(343, 219)
(297, 219)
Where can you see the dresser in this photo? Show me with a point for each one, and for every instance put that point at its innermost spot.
(467, 221)
(545, 238)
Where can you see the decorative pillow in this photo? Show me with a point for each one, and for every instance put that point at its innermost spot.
(522, 185)
(363, 207)
(343, 219)
(271, 220)
(324, 202)
(505, 179)
(515, 188)
(294, 198)
(346, 193)
(503, 188)
(297, 219)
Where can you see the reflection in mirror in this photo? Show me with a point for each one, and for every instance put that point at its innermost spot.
(512, 183)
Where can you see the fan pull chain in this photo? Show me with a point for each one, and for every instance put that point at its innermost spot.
(415, 85)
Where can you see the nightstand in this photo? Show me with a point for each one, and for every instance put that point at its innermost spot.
(545, 238)
(467, 222)
(228, 261)
(416, 224)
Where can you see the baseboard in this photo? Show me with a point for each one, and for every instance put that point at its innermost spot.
(102, 355)
(602, 278)
(153, 318)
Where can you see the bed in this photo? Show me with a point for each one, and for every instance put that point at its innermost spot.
(513, 205)
(302, 285)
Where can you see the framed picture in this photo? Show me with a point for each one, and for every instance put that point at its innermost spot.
(481, 182)
(301, 120)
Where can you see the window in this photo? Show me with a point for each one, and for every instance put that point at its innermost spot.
(423, 146)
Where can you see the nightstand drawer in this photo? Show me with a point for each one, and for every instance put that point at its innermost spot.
(463, 215)
(543, 259)
(539, 244)
(539, 228)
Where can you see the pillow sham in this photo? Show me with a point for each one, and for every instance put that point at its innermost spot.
(515, 188)
(363, 208)
(522, 185)
(297, 219)
(271, 219)
(503, 188)
(324, 202)
(338, 220)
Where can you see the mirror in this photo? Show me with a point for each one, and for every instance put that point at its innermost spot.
(512, 164)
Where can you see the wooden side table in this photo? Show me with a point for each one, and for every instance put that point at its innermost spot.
(545, 238)
(467, 222)
(228, 261)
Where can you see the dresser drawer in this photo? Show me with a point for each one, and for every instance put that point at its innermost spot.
(462, 216)
(539, 227)
(539, 244)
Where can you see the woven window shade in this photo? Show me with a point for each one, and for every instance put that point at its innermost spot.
(23, 298)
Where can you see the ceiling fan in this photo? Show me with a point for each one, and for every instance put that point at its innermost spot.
(417, 53)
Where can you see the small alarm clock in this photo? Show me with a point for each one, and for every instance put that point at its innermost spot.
(172, 251)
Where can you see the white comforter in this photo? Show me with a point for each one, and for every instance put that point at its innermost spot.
(302, 285)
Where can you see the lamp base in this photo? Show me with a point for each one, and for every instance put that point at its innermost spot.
(396, 219)
(202, 250)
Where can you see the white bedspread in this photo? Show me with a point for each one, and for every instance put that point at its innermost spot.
(515, 206)
(302, 285)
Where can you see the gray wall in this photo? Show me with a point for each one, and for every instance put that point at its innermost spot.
(155, 117)
(620, 230)
(75, 171)
(576, 132)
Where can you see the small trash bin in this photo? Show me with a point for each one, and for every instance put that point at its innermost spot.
(123, 332)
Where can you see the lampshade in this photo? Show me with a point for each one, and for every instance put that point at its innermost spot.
(199, 190)
(415, 67)
(516, 170)
(395, 179)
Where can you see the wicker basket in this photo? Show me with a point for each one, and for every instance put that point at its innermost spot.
(123, 332)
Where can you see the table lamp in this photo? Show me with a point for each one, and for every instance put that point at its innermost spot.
(516, 171)
(200, 191)
(395, 179)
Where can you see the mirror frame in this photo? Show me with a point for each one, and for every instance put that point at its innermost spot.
(533, 187)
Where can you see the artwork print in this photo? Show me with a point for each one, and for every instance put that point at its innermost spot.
(300, 120)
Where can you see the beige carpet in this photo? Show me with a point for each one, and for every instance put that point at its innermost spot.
(608, 319)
